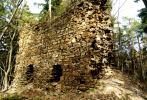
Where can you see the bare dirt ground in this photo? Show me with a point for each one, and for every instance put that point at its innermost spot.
(114, 86)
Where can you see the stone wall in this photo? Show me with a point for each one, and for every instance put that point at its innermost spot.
(70, 53)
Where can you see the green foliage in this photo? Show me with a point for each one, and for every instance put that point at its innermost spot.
(109, 5)
(2, 14)
(129, 58)
(143, 16)
(27, 16)
(2, 9)
(9, 40)
(12, 97)
(58, 7)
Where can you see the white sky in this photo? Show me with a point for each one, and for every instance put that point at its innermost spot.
(129, 9)
(34, 8)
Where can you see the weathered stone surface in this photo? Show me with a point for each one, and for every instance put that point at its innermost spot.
(69, 54)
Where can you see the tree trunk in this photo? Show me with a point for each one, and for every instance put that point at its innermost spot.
(73, 52)
(13, 15)
(145, 3)
(50, 9)
(5, 82)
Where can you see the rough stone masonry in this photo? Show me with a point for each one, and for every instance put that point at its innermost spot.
(69, 53)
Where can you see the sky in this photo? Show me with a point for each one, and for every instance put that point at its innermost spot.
(34, 8)
(129, 9)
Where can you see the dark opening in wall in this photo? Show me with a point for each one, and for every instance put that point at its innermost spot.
(93, 45)
(97, 69)
(81, 4)
(103, 4)
(81, 80)
(29, 73)
(107, 31)
(95, 2)
(56, 73)
(94, 73)
(108, 38)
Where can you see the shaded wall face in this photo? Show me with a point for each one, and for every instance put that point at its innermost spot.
(72, 52)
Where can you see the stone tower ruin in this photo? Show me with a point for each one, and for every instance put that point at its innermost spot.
(69, 53)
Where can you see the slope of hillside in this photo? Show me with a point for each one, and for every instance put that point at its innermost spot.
(114, 86)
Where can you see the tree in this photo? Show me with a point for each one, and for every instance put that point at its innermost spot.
(129, 46)
(4, 30)
(53, 8)
(144, 1)
(13, 20)
(7, 37)
(143, 16)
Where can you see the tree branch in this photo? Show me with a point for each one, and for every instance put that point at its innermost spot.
(5, 29)
(145, 3)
